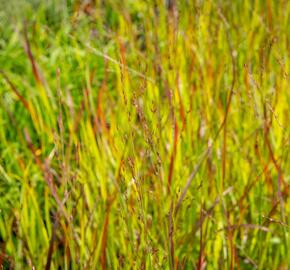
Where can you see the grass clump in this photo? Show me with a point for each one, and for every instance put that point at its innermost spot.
(144, 134)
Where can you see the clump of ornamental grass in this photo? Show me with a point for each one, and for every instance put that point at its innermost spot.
(144, 134)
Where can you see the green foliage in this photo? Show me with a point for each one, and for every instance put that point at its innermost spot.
(144, 134)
